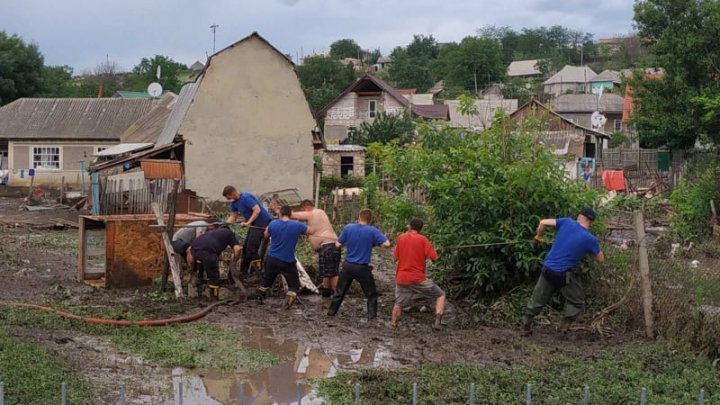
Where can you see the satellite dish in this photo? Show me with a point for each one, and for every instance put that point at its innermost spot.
(154, 89)
(597, 120)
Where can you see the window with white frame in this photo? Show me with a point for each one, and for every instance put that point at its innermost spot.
(46, 157)
(617, 125)
(372, 108)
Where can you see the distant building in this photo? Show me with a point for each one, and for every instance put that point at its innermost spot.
(570, 79)
(578, 108)
(524, 68)
(197, 66)
(486, 110)
(607, 79)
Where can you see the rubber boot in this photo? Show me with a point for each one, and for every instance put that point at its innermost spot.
(291, 299)
(334, 305)
(527, 326)
(325, 292)
(372, 305)
(214, 291)
(261, 293)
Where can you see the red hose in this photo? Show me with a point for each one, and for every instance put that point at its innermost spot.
(100, 321)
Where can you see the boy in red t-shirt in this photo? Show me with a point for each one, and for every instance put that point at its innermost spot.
(411, 252)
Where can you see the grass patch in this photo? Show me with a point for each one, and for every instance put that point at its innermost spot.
(193, 345)
(33, 375)
(615, 376)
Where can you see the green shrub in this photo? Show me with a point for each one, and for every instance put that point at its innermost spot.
(691, 202)
(330, 183)
(485, 188)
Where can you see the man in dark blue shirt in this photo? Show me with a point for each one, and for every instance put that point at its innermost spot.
(256, 217)
(360, 238)
(204, 251)
(280, 259)
(572, 242)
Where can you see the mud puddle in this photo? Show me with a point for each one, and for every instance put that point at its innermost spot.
(281, 384)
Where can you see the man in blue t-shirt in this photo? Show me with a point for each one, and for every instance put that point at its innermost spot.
(280, 259)
(360, 238)
(256, 217)
(572, 242)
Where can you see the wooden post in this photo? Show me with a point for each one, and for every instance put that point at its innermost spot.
(62, 189)
(645, 281)
(169, 252)
(318, 177)
(32, 180)
(170, 230)
(82, 250)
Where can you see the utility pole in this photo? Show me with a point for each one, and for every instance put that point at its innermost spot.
(214, 28)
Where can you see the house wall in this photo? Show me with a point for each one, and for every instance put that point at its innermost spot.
(249, 125)
(331, 163)
(562, 88)
(71, 153)
(352, 111)
(583, 119)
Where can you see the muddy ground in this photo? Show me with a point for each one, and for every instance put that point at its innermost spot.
(38, 265)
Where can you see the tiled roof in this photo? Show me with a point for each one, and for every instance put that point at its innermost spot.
(71, 118)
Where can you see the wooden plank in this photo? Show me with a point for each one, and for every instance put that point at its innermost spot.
(170, 230)
(169, 251)
(82, 248)
(109, 250)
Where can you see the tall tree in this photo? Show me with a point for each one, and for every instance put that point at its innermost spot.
(323, 78)
(474, 63)
(412, 65)
(345, 48)
(56, 81)
(146, 72)
(21, 67)
(682, 35)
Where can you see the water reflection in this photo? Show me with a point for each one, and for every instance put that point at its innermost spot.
(277, 384)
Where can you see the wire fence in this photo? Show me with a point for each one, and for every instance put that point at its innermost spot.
(674, 289)
(473, 396)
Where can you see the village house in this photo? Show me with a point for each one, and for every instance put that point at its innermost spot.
(570, 79)
(343, 160)
(579, 108)
(363, 101)
(243, 121)
(566, 138)
(525, 69)
(48, 139)
(608, 80)
(486, 109)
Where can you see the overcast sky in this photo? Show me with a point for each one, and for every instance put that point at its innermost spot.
(82, 33)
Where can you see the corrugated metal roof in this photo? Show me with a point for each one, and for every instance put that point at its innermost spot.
(149, 127)
(344, 148)
(123, 148)
(70, 118)
(161, 169)
(132, 94)
(523, 68)
(588, 103)
(179, 111)
(572, 74)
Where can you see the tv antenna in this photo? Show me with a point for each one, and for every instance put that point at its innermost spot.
(214, 28)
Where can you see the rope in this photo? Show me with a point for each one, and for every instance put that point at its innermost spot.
(485, 244)
(113, 322)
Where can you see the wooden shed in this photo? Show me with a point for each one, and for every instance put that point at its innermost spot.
(121, 251)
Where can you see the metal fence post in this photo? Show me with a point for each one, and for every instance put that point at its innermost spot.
(299, 393)
(586, 395)
(471, 394)
(528, 395)
(179, 400)
(357, 393)
(701, 397)
(242, 393)
(122, 394)
(414, 394)
(643, 397)
(63, 393)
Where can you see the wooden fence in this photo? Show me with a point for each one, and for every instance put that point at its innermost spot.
(640, 167)
(133, 196)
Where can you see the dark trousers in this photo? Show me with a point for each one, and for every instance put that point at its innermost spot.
(273, 267)
(207, 262)
(548, 283)
(251, 246)
(363, 274)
